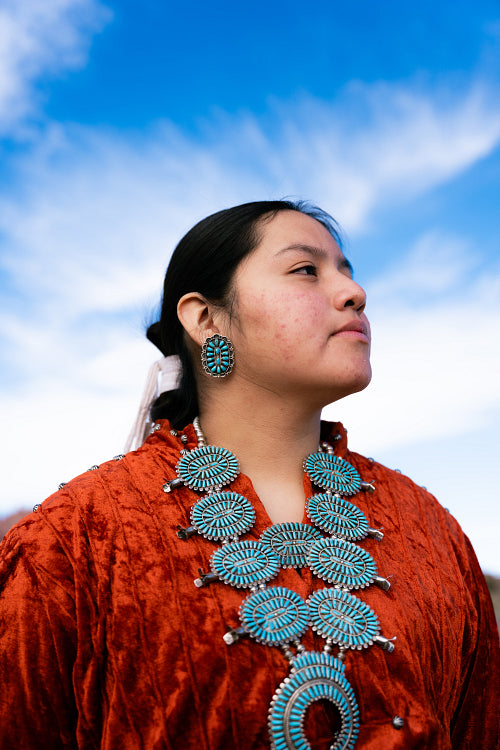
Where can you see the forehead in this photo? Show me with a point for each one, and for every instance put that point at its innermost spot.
(292, 228)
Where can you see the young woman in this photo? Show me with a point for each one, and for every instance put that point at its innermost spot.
(228, 584)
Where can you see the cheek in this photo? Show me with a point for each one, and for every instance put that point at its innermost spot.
(283, 320)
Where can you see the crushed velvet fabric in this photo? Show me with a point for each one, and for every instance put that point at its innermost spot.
(106, 643)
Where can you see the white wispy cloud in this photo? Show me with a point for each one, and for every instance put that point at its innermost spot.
(41, 38)
(109, 206)
(374, 144)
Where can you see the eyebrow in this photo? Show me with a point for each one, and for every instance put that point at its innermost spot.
(318, 252)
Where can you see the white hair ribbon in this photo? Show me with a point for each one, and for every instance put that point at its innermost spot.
(163, 376)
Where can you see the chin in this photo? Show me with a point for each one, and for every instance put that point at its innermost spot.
(363, 380)
(354, 384)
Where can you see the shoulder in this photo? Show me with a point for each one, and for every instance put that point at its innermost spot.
(427, 542)
(82, 507)
(398, 495)
(411, 507)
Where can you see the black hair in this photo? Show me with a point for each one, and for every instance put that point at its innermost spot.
(205, 261)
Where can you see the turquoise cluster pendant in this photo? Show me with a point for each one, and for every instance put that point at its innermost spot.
(277, 616)
(314, 676)
(274, 616)
(222, 515)
(291, 542)
(342, 618)
(207, 467)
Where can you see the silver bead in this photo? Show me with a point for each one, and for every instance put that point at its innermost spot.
(233, 635)
(287, 652)
(376, 534)
(383, 583)
(386, 644)
(199, 432)
(119, 457)
(185, 533)
(205, 579)
(60, 486)
(174, 433)
(398, 722)
(35, 507)
(368, 487)
(184, 439)
(94, 467)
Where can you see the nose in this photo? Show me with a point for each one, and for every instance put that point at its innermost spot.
(351, 295)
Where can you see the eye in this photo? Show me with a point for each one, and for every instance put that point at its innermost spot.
(308, 270)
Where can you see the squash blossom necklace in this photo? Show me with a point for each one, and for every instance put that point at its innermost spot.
(278, 616)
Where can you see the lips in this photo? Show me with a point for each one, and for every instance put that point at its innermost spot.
(354, 325)
(355, 329)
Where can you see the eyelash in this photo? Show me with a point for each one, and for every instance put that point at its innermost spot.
(305, 268)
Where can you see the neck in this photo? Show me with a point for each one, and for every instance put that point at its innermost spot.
(270, 437)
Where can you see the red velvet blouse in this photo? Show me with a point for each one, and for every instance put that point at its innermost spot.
(106, 643)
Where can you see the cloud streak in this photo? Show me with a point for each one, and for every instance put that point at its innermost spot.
(375, 144)
(41, 38)
(106, 204)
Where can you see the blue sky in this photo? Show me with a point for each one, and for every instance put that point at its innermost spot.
(123, 123)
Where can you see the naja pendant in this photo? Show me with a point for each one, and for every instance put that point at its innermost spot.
(314, 676)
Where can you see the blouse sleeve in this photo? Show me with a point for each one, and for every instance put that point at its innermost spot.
(476, 722)
(37, 642)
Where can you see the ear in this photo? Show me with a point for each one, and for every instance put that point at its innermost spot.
(196, 316)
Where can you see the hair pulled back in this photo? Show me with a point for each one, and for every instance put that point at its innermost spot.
(205, 261)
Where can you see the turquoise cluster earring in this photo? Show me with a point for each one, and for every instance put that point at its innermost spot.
(217, 356)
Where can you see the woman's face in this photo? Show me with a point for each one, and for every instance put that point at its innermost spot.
(299, 326)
